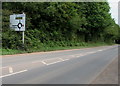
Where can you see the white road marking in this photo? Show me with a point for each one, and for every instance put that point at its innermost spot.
(77, 56)
(100, 50)
(53, 62)
(44, 62)
(10, 70)
(66, 59)
(51, 59)
(13, 73)
(61, 59)
(70, 57)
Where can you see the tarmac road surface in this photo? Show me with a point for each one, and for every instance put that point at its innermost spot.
(76, 66)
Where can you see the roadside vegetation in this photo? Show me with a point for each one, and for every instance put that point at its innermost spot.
(87, 45)
(59, 25)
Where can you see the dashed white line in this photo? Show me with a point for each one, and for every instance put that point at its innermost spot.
(78, 55)
(13, 73)
(10, 70)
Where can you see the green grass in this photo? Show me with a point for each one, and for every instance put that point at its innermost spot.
(11, 51)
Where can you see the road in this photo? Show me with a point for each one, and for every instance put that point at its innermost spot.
(76, 66)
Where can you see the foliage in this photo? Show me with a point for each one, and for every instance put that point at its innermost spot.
(54, 24)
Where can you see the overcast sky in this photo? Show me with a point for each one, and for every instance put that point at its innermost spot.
(114, 9)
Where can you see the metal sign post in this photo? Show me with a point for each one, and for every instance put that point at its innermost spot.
(17, 23)
(23, 37)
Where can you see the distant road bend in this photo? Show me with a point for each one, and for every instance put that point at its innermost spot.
(77, 66)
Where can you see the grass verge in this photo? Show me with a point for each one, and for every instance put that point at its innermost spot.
(11, 51)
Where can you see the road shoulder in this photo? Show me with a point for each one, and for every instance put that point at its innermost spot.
(109, 75)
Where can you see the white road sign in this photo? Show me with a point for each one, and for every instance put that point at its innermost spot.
(17, 22)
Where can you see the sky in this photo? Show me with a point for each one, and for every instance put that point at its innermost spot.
(114, 9)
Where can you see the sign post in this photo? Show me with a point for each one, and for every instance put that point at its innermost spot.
(17, 23)
(23, 37)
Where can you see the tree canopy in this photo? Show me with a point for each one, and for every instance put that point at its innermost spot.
(59, 24)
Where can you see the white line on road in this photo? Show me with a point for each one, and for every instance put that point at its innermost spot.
(10, 70)
(44, 62)
(53, 62)
(77, 56)
(66, 59)
(13, 73)
(100, 50)
(70, 56)
(61, 59)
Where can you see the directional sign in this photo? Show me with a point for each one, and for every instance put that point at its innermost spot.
(17, 22)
